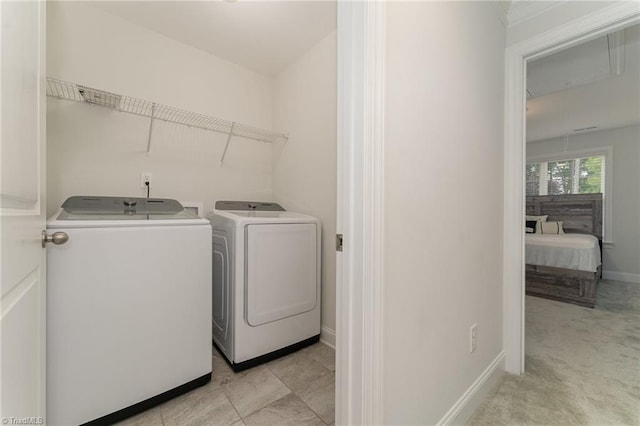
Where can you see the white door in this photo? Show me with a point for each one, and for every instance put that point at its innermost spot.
(22, 212)
(282, 274)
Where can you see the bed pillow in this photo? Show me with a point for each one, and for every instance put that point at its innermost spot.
(550, 228)
(530, 226)
(539, 219)
(542, 218)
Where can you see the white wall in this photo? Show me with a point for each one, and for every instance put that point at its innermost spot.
(622, 258)
(96, 151)
(304, 169)
(443, 203)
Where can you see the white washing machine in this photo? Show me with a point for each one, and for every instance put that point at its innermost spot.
(266, 281)
(128, 307)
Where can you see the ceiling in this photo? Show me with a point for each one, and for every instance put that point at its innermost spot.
(264, 36)
(589, 87)
(579, 88)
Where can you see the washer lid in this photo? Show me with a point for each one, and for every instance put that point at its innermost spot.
(124, 208)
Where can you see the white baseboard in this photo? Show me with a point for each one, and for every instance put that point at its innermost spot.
(621, 276)
(477, 393)
(328, 336)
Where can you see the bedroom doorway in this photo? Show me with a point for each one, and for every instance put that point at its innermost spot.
(571, 136)
(581, 127)
(570, 140)
(607, 20)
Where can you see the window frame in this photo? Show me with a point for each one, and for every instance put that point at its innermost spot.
(607, 153)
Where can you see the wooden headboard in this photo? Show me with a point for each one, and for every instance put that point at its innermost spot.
(580, 213)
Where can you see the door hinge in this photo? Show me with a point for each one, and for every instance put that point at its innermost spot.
(338, 242)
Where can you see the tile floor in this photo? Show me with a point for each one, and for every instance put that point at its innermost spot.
(294, 390)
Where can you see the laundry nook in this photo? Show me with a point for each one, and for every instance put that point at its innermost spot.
(195, 191)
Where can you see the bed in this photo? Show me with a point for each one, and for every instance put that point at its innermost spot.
(565, 267)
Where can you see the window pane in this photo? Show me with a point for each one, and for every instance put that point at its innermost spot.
(591, 175)
(533, 179)
(560, 177)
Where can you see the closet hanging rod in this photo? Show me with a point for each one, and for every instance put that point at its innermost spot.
(79, 93)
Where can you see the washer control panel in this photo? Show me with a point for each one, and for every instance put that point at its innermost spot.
(249, 206)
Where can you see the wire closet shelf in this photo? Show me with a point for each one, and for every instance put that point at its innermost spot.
(78, 93)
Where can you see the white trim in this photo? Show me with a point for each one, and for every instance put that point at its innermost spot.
(522, 11)
(581, 153)
(607, 153)
(374, 210)
(608, 19)
(621, 276)
(514, 190)
(360, 208)
(477, 393)
(328, 337)
(501, 10)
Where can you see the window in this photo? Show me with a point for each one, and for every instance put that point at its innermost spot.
(584, 175)
(575, 172)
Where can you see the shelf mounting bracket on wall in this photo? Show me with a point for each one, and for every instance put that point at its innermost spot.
(224, 153)
(153, 113)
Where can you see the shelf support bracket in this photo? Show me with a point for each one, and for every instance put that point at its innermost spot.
(153, 113)
(224, 153)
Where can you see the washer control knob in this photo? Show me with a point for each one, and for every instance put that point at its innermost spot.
(130, 203)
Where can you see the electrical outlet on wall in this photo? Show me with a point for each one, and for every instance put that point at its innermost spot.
(473, 338)
(144, 178)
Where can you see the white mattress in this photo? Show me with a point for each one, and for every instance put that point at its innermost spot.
(568, 251)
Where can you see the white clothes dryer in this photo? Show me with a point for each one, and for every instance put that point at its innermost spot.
(266, 281)
(128, 307)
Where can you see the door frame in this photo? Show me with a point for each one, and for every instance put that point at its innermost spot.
(360, 213)
(608, 19)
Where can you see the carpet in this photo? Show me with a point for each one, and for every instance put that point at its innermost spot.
(582, 365)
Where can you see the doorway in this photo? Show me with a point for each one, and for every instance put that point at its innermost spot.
(599, 23)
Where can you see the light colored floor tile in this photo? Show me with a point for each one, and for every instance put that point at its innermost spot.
(222, 372)
(257, 389)
(150, 417)
(323, 354)
(298, 370)
(289, 410)
(319, 395)
(260, 394)
(207, 405)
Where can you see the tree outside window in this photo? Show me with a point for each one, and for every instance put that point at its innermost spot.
(572, 176)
